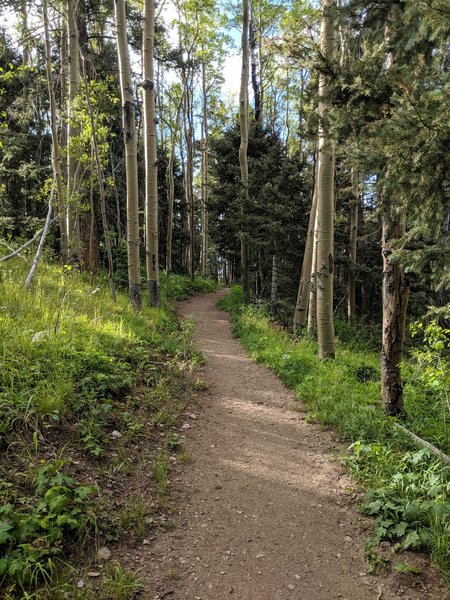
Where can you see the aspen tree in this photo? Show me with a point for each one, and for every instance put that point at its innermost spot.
(56, 154)
(151, 162)
(204, 245)
(72, 129)
(325, 198)
(175, 135)
(312, 312)
(243, 161)
(129, 133)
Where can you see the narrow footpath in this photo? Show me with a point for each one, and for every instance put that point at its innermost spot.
(264, 510)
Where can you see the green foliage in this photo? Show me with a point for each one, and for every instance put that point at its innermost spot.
(428, 383)
(34, 532)
(180, 287)
(411, 501)
(80, 376)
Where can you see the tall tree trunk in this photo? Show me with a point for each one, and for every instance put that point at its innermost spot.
(395, 290)
(170, 204)
(188, 129)
(312, 312)
(101, 183)
(129, 132)
(72, 130)
(325, 200)
(25, 33)
(204, 246)
(151, 161)
(56, 154)
(116, 195)
(254, 67)
(243, 162)
(353, 250)
(395, 302)
(304, 288)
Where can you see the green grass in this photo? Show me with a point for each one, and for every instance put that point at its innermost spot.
(408, 489)
(76, 367)
(180, 287)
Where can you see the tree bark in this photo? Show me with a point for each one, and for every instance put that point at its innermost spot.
(56, 154)
(353, 251)
(304, 288)
(151, 160)
(204, 246)
(395, 302)
(254, 68)
(101, 184)
(72, 129)
(325, 200)
(243, 162)
(129, 132)
(312, 312)
(37, 256)
(395, 291)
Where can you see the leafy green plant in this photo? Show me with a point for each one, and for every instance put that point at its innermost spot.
(33, 536)
(173, 441)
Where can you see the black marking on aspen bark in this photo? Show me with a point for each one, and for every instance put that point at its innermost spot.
(148, 85)
(330, 263)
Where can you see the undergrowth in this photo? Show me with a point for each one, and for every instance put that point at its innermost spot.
(408, 489)
(85, 385)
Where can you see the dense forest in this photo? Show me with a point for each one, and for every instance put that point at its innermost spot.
(319, 184)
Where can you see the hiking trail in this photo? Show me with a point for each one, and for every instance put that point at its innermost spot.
(265, 511)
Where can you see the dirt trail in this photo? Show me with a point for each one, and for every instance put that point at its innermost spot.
(264, 512)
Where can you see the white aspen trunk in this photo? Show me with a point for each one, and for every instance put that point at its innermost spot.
(56, 153)
(72, 129)
(312, 312)
(129, 132)
(25, 33)
(151, 160)
(243, 162)
(101, 188)
(37, 256)
(170, 203)
(325, 200)
(204, 247)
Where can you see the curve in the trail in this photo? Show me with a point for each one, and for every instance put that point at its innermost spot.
(264, 513)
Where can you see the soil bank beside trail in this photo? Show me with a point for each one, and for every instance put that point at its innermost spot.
(264, 512)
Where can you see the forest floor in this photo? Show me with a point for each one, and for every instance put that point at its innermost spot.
(266, 510)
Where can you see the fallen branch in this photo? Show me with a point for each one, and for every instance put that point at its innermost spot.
(41, 242)
(424, 443)
(33, 239)
(2, 243)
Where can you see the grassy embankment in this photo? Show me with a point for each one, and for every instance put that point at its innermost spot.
(91, 394)
(408, 489)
